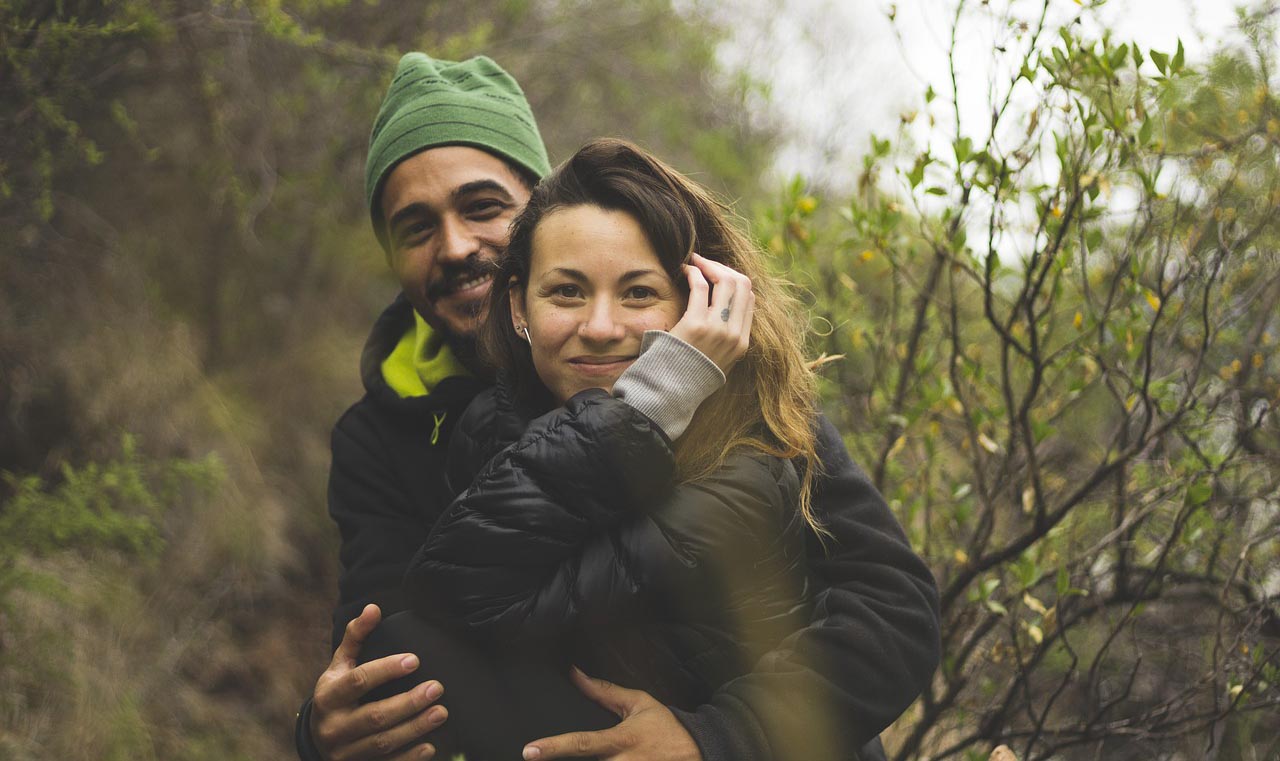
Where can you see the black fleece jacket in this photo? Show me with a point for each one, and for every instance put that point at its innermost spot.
(871, 644)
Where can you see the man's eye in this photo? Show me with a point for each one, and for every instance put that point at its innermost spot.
(486, 208)
(413, 231)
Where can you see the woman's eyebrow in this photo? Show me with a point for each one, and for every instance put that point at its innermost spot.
(635, 274)
(580, 275)
(568, 272)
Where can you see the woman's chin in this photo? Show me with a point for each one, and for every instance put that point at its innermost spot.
(569, 392)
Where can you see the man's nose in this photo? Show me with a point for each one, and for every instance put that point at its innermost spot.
(457, 240)
(601, 323)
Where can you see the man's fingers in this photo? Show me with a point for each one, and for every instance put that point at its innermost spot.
(397, 709)
(575, 745)
(357, 631)
(348, 687)
(387, 741)
(416, 753)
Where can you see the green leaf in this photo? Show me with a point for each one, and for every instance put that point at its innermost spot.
(1161, 60)
(1199, 493)
(916, 175)
(1116, 59)
(1178, 57)
(1144, 132)
(964, 149)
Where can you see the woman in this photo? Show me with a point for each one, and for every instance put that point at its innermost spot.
(633, 506)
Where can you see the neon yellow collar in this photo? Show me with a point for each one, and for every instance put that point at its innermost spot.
(420, 361)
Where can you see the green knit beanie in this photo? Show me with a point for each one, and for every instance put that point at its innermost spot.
(432, 103)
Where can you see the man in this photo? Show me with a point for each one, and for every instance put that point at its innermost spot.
(453, 155)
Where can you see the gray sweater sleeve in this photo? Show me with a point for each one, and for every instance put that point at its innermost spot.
(668, 381)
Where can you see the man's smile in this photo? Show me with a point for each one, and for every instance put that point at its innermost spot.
(464, 283)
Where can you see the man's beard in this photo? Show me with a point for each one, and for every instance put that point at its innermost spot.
(467, 351)
(465, 347)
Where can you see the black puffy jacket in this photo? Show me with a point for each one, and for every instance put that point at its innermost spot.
(867, 650)
(577, 534)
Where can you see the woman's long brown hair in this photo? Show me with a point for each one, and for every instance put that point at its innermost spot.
(769, 402)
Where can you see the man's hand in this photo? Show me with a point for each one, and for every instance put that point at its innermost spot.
(344, 730)
(648, 730)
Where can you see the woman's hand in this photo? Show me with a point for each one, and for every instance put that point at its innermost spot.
(717, 321)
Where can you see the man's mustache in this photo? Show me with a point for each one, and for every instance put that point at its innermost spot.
(456, 273)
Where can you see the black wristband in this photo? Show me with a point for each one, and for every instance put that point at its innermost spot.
(306, 747)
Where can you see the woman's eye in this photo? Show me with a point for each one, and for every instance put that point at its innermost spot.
(641, 293)
(567, 291)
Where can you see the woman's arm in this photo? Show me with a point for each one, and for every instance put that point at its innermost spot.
(580, 522)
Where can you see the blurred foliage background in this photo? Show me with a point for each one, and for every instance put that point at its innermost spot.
(1051, 342)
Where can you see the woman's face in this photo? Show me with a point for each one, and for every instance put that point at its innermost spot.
(595, 286)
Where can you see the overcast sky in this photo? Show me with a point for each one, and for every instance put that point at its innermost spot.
(840, 70)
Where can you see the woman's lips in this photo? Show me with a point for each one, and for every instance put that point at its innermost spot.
(601, 366)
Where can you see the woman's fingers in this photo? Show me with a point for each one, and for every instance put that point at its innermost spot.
(714, 271)
(717, 321)
(729, 289)
(744, 324)
(698, 288)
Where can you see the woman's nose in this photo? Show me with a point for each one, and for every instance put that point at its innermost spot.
(601, 324)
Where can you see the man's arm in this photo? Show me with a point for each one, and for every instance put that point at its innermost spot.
(379, 525)
(869, 650)
(379, 536)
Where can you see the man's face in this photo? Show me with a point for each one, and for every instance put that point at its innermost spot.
(447, 212)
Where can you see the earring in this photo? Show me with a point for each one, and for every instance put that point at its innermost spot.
(525, 329)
